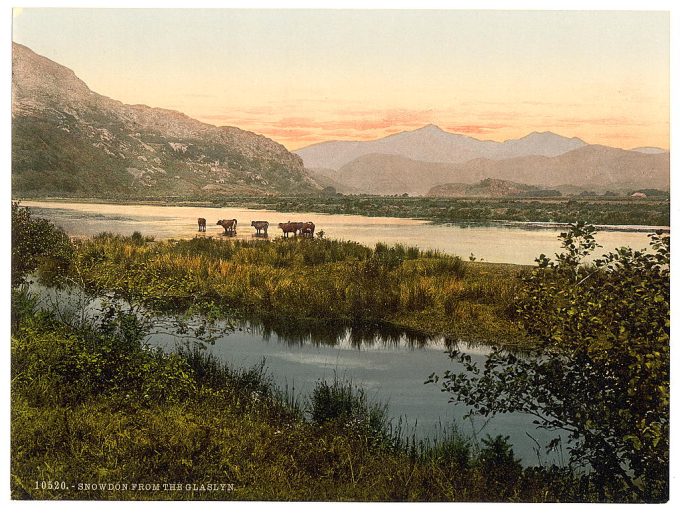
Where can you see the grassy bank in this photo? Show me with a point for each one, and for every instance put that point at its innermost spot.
(291, 281)
(95, 414)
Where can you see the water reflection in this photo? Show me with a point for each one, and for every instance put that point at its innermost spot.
(339, 334)
(391, 364)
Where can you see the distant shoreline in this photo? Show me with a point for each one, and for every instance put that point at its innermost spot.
(247, 203)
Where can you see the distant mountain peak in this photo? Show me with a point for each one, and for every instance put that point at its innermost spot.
(548, 135)
(431, 127)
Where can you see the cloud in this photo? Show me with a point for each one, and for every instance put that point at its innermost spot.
(368, 120)
(475, 129)
(614, 121)
(288, 133)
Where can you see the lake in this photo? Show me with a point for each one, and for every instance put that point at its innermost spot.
(511, 243)
(390, 367)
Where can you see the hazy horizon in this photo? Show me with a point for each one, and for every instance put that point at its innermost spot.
(307, 76)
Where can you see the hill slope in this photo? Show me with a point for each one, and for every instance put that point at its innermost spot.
(592, 166)
(488, 188)
(69, 140)
(381, 174)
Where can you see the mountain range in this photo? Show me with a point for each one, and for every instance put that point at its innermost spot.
(67, 139)
(413, 162)
(432, 144)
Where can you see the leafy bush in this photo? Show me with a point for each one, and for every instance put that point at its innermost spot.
(37, 243)
(600, 370)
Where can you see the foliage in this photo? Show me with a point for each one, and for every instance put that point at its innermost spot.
(92, 404)
(600, 371)
(501, 469)
(81, 414)
(600, 210)
(37, 243)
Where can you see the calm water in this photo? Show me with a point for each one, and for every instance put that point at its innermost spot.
(498, 244)
(391, 367)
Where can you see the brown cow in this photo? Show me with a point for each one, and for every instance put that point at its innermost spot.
(260, 225)
(298, 227)
(288, 228)
(201, 224)
(229, 226)
(307, 229)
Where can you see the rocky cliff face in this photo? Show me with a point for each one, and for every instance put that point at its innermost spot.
(70, 140)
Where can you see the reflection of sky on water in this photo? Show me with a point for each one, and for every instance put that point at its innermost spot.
(391, 369)
(493, 243)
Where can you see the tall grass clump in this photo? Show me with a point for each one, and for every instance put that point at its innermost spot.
(346, 406)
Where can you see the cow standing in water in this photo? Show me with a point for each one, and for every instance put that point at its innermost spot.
(201, 224)
(229, 226)
(288, 228)
(260, 225)
(307, 229)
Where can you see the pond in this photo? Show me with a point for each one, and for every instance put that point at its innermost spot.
(389, 364)
(391, 369)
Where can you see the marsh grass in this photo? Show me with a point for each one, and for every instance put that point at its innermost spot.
(297, 280)
(99, 408)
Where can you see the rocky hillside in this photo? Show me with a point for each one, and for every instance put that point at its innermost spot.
(68, 140)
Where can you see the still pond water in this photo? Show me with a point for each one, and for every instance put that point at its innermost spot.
(391, 367)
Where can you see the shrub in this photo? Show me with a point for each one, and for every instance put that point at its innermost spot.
(36, 243)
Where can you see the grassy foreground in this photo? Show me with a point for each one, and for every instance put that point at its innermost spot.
(293, 281)
(96, 415)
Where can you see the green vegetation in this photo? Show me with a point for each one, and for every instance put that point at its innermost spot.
(93, 405)
(600, 371)
(601, 210)
(300, 280)
(37, 243)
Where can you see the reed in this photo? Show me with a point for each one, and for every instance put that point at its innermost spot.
(307, 279)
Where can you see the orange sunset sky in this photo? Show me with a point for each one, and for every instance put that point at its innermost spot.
(306, 76)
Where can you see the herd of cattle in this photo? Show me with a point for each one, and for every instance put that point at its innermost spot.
(305, 229)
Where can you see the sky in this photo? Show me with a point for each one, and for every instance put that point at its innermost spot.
(305, 76)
